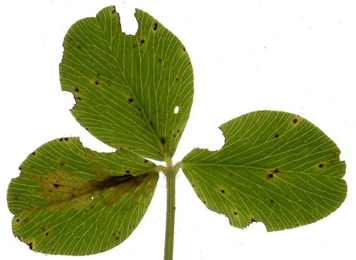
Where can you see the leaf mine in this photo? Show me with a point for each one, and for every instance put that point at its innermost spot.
(71, 200)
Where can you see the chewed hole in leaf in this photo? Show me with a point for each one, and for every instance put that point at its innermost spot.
(176, 110)
(128, 22)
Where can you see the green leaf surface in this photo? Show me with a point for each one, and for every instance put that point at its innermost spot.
(274, 167)
(73, 201)
(135, 91)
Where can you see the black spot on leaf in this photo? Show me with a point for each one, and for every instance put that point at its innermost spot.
(155, 26)
(76, 89)
(276, 170)
(271, 175)
(276, 136)
(223, 191)
(295, 120)
(163, 141)
(130, 100)
(321, 165)
(33, 153)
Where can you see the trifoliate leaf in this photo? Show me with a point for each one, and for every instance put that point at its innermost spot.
(275, 167)
(131, 91)
(70, 200)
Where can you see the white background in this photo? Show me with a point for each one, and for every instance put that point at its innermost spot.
(295, 56)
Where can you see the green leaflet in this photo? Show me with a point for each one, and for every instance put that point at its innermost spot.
(70, 200)
(131, 91)
(275, 167)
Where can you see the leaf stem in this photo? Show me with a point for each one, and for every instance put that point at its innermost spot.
(170, 173)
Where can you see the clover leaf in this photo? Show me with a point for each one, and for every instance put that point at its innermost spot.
(134, 93)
